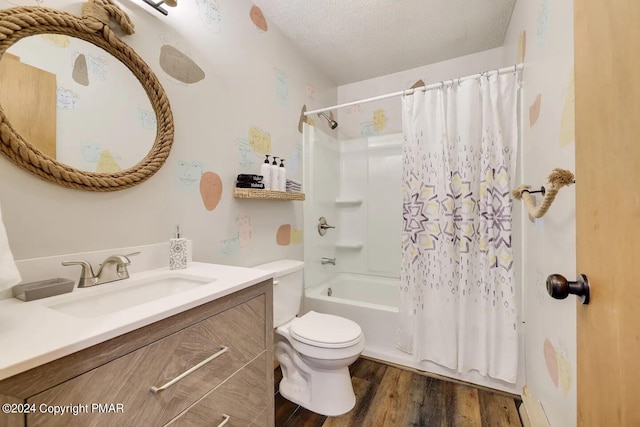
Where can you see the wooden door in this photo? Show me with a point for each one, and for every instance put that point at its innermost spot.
(607, 78)
(28, 98)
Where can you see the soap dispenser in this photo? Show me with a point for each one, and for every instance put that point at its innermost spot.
(282, 177)
(274, 175)
(177, 251)
(265, 171)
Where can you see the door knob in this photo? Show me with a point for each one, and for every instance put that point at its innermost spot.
(559, 287)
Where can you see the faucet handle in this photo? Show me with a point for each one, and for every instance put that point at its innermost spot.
(132, 254)
(87, 277)
(87, 271)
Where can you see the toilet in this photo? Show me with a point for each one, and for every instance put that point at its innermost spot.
(314, 350)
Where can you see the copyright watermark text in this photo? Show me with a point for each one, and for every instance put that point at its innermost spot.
(71, 409)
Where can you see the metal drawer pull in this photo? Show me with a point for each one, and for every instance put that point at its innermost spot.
(158, 390)
(226, 420)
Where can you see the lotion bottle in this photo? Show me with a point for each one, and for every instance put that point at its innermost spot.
(265, 171)
(282, 177)
(274, 175)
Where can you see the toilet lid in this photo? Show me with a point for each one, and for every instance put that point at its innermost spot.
(325, 330)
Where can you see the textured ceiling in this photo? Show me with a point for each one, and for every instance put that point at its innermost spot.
(353, 40)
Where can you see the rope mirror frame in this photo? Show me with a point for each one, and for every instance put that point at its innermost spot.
(94, 27)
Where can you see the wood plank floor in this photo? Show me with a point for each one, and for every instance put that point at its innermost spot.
(387, 396)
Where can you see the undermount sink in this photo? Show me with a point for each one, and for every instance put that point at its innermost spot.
(115, 296)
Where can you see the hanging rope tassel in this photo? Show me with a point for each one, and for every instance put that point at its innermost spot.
(558, 178)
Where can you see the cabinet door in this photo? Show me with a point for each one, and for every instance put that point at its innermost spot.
(119, 392)
(243, 400)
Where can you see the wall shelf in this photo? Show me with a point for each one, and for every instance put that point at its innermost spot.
(345, 202)
(248, 193)
(349, 244)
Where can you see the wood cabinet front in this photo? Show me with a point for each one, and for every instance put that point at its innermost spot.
(121, 392)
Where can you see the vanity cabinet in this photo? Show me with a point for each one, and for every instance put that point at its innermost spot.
(139, 378)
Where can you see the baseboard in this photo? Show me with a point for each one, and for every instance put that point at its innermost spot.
(524, 416)
(531, 411)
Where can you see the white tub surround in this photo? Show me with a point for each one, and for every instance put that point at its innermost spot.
(32, 333)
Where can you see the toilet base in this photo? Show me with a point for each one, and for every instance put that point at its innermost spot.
(327, 393)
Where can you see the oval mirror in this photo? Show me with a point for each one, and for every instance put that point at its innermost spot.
(97, 117)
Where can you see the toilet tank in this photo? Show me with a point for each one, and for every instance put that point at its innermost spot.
(287, 289)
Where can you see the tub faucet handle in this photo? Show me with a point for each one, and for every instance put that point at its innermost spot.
(323, 226)
(326, 260)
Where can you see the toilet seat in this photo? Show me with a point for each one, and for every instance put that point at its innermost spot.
(325, 330)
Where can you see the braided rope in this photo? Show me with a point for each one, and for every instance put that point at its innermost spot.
(558, 178)
(116, 13)
(20, 22)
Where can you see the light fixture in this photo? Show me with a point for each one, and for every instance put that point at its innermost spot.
(156, 6)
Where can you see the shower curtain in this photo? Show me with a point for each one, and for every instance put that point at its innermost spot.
(458, 305)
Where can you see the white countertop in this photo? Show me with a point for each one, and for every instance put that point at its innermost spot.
(32, 334)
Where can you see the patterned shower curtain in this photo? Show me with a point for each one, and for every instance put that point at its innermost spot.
(458, 304)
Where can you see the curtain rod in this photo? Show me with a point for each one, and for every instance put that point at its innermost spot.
(411, 91)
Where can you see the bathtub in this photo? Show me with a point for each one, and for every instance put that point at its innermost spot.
(373, 303)
(370, 301)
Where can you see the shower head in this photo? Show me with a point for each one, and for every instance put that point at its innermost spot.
(332, 123)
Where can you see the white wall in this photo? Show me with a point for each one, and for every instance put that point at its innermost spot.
(548, 244)
(254, 88)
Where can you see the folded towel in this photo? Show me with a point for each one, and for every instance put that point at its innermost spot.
(9, 274)
(256, 185)
(249, 178)
(293, 181)
(296, 188)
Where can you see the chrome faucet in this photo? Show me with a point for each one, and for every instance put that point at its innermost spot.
(113, 268)
(326, 260)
